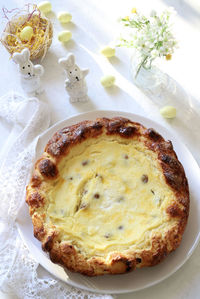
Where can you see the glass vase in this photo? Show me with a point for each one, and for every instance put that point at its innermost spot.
(150, 79)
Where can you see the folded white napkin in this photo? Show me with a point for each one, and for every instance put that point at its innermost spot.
(26, 118)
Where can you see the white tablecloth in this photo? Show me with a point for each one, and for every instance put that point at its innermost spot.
(93, 26)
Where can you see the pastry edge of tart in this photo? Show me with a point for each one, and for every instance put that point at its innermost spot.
(116, 262)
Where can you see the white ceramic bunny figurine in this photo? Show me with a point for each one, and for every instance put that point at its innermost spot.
(29, 73)
(75, 83)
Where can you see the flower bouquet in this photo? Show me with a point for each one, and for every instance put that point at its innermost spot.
(151, 37)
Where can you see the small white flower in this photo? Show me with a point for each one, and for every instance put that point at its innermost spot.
(151, 37)
(162, 50)
(154, 53)
(149, 44)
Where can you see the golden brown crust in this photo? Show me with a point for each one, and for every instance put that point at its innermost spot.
(117, 262)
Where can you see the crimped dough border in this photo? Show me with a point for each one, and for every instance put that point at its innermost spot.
(46, 168)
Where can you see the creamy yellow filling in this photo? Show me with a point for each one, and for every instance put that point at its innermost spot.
(110, 196)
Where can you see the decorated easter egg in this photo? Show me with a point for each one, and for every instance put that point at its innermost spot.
(64, 36)
(107, 80)
(108, 51)
(26, 33)
(45, 6)
(168, 111)
(64, 17)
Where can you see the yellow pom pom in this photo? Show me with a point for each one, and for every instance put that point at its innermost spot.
(26, 33)
(127, 18)
(64, 17)
(168, 57)
(44, 6)
(134, 10)
(108, 51)
(107, 80)
(64, 36)
(168, 112)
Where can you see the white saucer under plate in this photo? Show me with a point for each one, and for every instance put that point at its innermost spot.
(141, 278)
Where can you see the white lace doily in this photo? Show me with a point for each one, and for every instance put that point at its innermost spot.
(18, 270)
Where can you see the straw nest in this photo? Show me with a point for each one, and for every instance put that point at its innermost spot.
(42, 32)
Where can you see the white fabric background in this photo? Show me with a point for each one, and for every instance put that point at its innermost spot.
(94, 26)
(19, 272)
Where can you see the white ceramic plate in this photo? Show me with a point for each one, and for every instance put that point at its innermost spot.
(141, 278)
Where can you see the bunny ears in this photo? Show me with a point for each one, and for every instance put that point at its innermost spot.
(67, 62)
(22, 57)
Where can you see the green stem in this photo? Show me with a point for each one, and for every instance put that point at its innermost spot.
(148, 67)
(141, 64)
